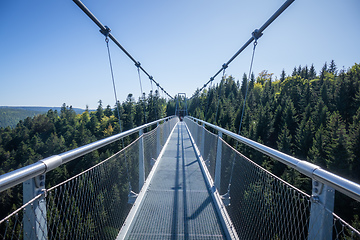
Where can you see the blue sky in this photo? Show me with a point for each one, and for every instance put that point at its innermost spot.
(51, 53)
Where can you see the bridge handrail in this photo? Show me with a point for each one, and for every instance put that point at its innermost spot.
(313, 171)
(20, 175)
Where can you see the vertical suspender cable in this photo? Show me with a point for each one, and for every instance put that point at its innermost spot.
(242, 114)
(113, 81)
(142, 96)
(218, 103)
(247, 86)
(152, 98)
(118, 108)
(208, 103)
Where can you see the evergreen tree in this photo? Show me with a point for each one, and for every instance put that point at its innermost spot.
(337, 147)
(317, 153)
(100, 111)
(332, 68)
(108, 112)
(312, 72)
(282, 75)
(244, 84)
(355, 146)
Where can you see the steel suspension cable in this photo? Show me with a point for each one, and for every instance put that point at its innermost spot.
(218, 103)
(113, 81)
(118, 108)
(142, 96)
(208, 104)
(242, 113)
(106, 31)
(247, 86)
(256, 34)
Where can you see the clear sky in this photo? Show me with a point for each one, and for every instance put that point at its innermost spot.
(51, 53)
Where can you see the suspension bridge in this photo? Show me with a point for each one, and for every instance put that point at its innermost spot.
(179, 179)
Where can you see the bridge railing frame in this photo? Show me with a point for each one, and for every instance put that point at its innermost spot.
(43, 166)
(33, 177)
(324, 183)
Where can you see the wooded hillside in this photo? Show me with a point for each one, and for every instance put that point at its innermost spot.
(53, 133)
(314, 117)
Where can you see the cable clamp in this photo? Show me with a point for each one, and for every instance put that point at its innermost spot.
(224, 66)
(105, 31)
(211, 79)
(138, 64)
(256, 34)
(151, 78)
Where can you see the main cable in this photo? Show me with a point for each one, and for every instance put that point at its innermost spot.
(256, 34)
(106, 31)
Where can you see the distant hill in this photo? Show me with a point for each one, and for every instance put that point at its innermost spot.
(10, 116)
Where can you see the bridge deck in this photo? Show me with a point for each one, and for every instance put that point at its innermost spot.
(177, 204)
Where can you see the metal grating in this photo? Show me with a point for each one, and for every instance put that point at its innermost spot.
(92, 204)
(177, 204)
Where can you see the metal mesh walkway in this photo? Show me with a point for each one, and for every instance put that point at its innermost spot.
(177, 204)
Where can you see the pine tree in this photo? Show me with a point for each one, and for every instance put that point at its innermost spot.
(322, 73)
(337, 147)
(282, 75)
(355, 145)
(304, 138)
(284, 143)
(244, 84)
(100, 111)
(289, 117)
(332, 68)
(312, 72)
(317, 153)
(108, 112)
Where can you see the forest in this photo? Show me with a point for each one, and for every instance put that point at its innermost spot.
(44, 135)
(312, 116)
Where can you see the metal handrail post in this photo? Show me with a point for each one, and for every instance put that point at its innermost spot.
(322, 207)
(203, 141)
(218, 162)
(158, 145)
(35, 226)
(141, 160)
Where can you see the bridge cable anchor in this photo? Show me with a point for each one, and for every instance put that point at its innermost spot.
(226, 197)
(106, 33)
(132, 196)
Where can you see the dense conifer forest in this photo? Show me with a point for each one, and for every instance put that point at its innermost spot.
(312, 116)
(55, 132)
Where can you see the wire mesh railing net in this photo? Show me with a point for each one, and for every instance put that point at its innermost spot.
(92, 204)
(260, 204)
(207, 144)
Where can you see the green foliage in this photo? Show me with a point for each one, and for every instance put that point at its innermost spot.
(312, 117)
(50, 133)
(11, 116)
